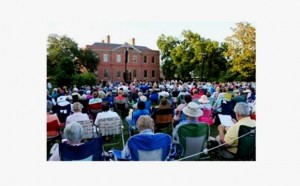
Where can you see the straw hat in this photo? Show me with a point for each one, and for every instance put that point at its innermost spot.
(192, 110)
(203, 99)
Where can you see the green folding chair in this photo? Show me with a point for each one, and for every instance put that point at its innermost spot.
(193, 138)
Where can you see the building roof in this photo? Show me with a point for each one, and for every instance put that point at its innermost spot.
(111, 46)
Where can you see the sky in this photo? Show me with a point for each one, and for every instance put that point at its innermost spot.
(145, 33)
(25, 26)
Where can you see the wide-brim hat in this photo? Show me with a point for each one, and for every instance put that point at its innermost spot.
(192, 110)
(203, 99)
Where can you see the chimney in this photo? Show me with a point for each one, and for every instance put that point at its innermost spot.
(132, 41)
(108, 39)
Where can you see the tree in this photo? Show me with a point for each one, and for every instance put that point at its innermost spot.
(65, 60)
(241, 52)
(166, 45)
(192, 57)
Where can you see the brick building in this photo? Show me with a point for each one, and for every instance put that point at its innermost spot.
(143, 63)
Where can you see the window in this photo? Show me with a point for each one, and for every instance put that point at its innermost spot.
(153, 73)
(134, 73)
(106, 73)
(145, 59)
(118, 58)
(153, 61)
(145, 73)
(118, 74)
(134, 58)
(105, 57)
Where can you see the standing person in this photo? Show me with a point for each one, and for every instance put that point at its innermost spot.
(242, 111)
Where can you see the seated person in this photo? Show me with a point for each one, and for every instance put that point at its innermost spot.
(105, 113)
(206, 109)
(77, 115)
(73, 133)
(242, 111)
(147, 103)
(95, 98)
(75, 95)
(141, 110)
(145, 126)
(51, 117)
(164, 103)
(177, 117)
(192, 112)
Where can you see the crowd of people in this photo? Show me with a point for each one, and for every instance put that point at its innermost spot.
(191, 102)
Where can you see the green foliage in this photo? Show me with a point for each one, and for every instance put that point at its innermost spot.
(241, 51)
(197, 57)
(192, 57)
(66, 62)
(86, 78)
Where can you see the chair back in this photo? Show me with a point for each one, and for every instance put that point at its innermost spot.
(89, 151)
(163, 117)
(149, 147)
(121, 108)
(95, 107)
(246, 144)
(192, 137)
(75, 98)
(88, 129)
(110, 126)
(53, 129)
(63, 112)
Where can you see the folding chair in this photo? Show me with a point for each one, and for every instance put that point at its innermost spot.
(163, 118)
(93, 110)
(147, 147)
(53, 132)
(246, 144)
(193, 138)
(63, 112)
(89, 151)
(121, 109)
(88, 127)
(110, 126)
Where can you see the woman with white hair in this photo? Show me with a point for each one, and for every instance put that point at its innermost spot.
(73, 133)
(77, 115)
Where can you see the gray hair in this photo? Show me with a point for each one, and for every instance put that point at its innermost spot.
(242, 109)
(73, 132)
(145, 122)
(77, 107)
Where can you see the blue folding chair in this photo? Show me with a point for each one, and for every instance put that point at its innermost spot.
(147, 147)
(89, 151)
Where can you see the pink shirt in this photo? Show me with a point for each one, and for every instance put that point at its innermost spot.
(178, 111)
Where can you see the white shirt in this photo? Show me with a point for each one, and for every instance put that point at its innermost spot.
(77, 116)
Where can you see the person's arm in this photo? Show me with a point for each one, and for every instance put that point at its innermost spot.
(221, 129)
